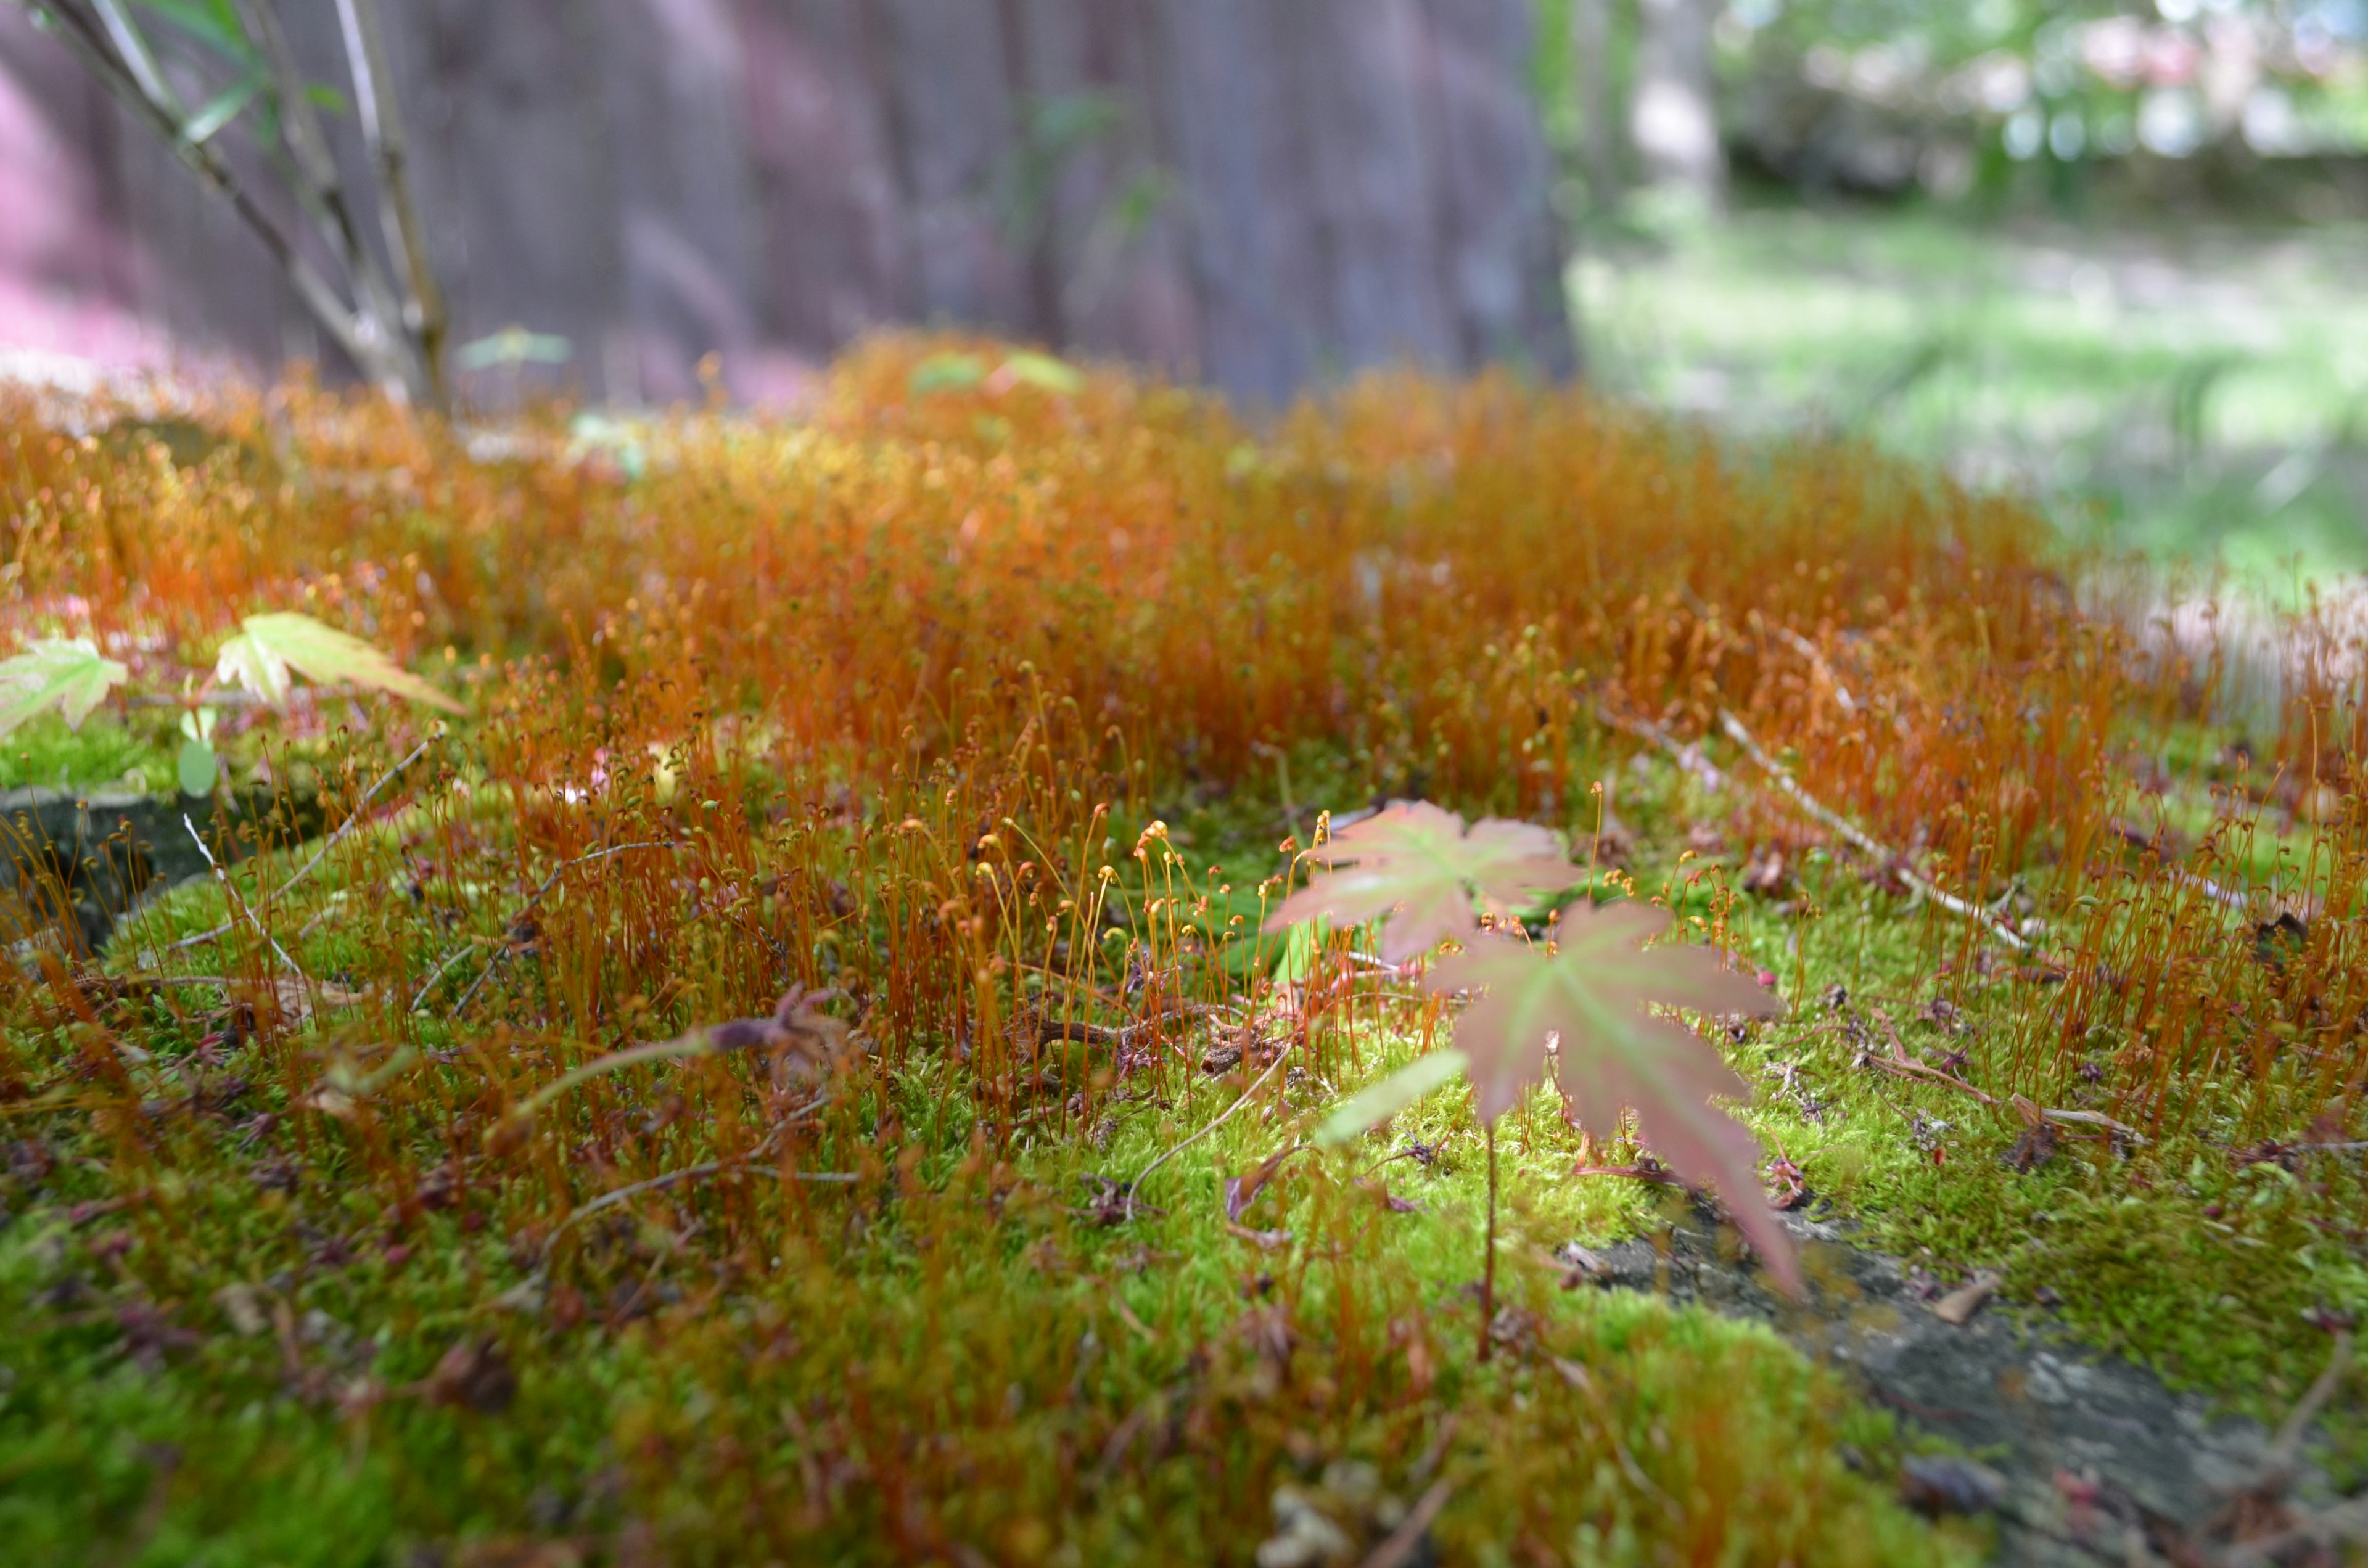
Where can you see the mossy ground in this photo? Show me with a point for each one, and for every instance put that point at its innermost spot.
(976, 1301)
(285, 1276)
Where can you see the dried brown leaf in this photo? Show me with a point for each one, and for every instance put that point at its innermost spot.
(1242, 1190)
(472, 1375)
(808, 1041)
(1958, 1307)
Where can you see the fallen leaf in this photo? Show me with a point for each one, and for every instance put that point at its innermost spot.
(1573, 1373)
(239, 1304)
(809, 1043)
(1304, 1536)
(1579, 1265)
(1241, 1191)
(472, 1375)
(299, 997)
(1934, 1484)
(1766, 873)
(1516, 1329)
(2032, 1148)
(1958, 1307)
(1113, 1202)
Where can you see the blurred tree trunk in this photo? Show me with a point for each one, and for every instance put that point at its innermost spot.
(1265, 195)
(1673, 111)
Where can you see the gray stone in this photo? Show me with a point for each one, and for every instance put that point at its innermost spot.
(2011, 1386)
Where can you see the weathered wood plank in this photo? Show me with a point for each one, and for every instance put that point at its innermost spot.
(1266, 193)
(947, 82)
(673, 80)
(1502, 279)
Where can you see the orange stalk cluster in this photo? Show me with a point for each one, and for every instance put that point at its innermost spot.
(895, 687)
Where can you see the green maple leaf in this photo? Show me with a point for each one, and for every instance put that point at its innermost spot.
(1592, 995)
(268, 646)
(1417, 866)
(70, 672)
(1041, 370)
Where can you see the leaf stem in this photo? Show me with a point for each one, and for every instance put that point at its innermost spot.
(1488, 1264)
(353, 819)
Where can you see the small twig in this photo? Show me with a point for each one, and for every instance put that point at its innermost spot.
(1400, 1546)
(1859, 836)
(1052, 1031)
(1902, 1064)
(1808, 650)
(231, 893)
(689, 1173)
(697, 1042)
(2228, 898)
(1055, 1031)
(2346, 1521)
(455, 956)
(2095, 1118)
(527, 908)
(1247, 1094)
(381, 125)
(1665, 1178)
(1690, 757)
(353, 819)
(2286, 1452)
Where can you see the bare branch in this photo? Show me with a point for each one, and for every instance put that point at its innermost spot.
(372, 330)
(382, 121)
(317, 183)
(1782, 776)
(138, 60)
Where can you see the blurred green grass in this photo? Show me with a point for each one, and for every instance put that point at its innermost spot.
(2196, 394)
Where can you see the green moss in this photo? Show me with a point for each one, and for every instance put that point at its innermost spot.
(960, 1324)
(102, 753)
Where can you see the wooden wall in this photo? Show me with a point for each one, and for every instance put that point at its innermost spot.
(1263, 194)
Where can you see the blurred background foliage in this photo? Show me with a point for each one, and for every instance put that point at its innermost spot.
(2107, 254)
